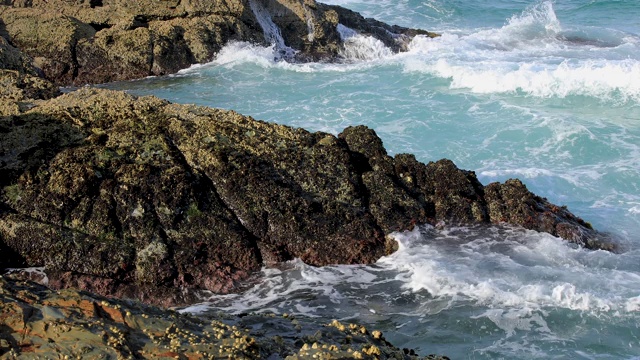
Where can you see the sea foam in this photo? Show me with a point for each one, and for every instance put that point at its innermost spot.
(529, 55)
(511, 269)
(361, 47)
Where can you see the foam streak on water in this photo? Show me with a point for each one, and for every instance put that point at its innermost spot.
(540, 90)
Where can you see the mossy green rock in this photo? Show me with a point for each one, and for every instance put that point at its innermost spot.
(142, 198)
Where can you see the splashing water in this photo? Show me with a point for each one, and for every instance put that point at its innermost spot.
(271, 31)
(360, 47)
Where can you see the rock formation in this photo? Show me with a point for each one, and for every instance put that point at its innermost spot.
(138, 197)
(109, 40)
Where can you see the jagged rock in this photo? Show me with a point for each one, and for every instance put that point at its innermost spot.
(80, 42)
(395, 37)
(142, 198)
(38, 323)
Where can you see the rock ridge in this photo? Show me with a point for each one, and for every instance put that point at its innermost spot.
(142, 198)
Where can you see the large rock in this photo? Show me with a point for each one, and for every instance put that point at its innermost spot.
(142, 198)
(80, 42)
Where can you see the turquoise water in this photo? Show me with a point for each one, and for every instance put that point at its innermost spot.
(548, 92)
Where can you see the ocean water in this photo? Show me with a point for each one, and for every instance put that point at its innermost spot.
(548, 92)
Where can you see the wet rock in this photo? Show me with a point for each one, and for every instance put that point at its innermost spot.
(512, 203)
(141, 198)
(81, 42)
(397, 38)
(40, 323)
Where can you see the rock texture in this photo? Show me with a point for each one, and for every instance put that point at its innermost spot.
(80, 42)
(138, 197)
(37, 323)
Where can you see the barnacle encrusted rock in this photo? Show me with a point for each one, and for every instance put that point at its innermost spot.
(38, 323)
(142, 198)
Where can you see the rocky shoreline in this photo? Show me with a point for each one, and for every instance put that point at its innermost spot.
(110, 40)
(143, 199)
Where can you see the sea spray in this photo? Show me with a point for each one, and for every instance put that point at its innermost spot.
(361, 47)
(532, 54)
(271, 31)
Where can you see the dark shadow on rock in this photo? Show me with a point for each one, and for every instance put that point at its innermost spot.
(9, 258)
(7, 342)
(28, 141)
(3, 32)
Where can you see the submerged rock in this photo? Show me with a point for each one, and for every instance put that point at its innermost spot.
(80, 42)
(38, 323)
(141, 198)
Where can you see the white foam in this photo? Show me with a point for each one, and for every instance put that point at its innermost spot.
(575, 176)
(243, 52)
(271, 31)
(361, 47)
(529, 55)
(605, 79)
(196, 309)
(511, 269)
(539, 20)
(512, 320)
(528, 173)
(288, 290)
(633, 304)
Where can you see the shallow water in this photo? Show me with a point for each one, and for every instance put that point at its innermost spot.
(548, 92)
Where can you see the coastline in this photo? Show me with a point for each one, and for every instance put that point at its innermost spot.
(91, 126)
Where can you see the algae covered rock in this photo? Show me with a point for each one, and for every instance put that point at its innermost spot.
(81, 42)
(18, 86)
(48, 37)
(142, 198)
(10, 57)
